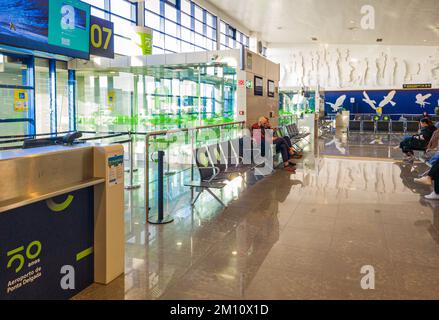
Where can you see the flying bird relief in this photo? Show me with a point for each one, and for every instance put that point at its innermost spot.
(422, 99)
(373, 104)
(338, 104)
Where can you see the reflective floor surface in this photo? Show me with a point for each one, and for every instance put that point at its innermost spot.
(291, 236)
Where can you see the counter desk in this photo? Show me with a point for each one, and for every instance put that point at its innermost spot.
(61, 220)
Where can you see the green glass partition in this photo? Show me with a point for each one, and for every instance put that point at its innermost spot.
(155, 98)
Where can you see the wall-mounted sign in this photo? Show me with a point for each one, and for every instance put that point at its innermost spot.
(241, 83)
(26, 24)
(259, 86)
(249, 84)
(20, 100)
(69, 25)
(144, 39)
(115, 170)
(111, 99)
(271, 89)
(101, 37)
(417, 86)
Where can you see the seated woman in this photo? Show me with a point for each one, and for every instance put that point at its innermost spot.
(419, 141)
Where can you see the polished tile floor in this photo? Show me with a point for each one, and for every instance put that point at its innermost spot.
(292, 236)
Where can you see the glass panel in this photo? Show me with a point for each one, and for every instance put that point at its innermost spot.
(98, 13)
(96, 3)
(122, 8)
(170, 28)
(62, 98)
(122, 27)
(152, 20)
(153, 5)
(186, 20)
(14, 102)
(170, 12)
(199, 13)
(42, 96)
(186, 6)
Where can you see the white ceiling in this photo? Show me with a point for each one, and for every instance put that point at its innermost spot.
(398, 22)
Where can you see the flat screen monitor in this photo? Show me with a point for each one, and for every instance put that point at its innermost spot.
(259, 86)
(271, 89)
(52, 26)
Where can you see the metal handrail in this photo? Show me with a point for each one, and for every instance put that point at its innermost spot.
(148, 135)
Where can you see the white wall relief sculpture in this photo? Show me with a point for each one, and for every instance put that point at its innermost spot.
(356, 66)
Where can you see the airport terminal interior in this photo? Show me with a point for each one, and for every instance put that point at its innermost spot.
(219, 149)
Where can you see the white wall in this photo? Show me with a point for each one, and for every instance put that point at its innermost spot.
(336, 67)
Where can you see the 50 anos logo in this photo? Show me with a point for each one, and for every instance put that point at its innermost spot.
(19, 255)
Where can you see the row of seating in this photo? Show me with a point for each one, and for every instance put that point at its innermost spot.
(228, 160)
(391, 117)
(371, 126)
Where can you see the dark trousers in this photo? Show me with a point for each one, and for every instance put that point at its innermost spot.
(288, 141)
(282, 147)
(434, 174)
(409, 144)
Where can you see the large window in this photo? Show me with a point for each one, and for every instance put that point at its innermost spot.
(232, 38)
(123, 14)
(180, 26)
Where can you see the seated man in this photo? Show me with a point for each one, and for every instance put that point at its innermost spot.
(419, 141)
(258, 133)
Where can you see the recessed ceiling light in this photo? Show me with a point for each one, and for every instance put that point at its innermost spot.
(379, 40)
(352, 21)
(424, 40)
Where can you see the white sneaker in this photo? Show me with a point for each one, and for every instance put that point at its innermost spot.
(432, 196)
(424, 180)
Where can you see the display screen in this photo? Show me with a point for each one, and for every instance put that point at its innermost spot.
(271, 89)
(53, 26)
(259, 86)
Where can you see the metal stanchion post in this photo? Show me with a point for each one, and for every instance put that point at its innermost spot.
(131, 169)
(132, 186)
(147, 177)
(161, 218)
(192, 160)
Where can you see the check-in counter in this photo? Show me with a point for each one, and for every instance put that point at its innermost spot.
(61, 220)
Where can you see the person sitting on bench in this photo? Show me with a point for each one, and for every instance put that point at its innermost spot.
(419, 141)
(431, 178)
(294, 154)
(258, 133)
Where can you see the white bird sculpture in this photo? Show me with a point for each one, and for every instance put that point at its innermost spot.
(338, 104)
(388, 99)
(371, 103)
(422, 99)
